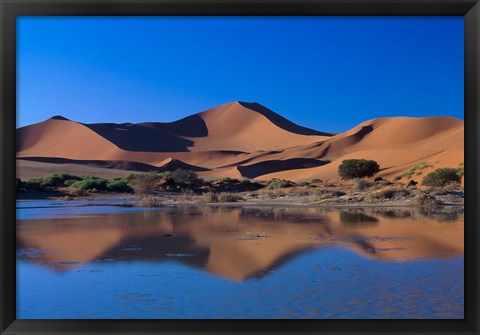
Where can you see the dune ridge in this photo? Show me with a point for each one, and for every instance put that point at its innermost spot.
(241, 139)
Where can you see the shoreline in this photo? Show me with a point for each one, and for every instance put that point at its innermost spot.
(172, 200)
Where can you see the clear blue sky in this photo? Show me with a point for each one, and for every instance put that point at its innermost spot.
(326, 73)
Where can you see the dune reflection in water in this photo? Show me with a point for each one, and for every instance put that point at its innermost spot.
(241, 244)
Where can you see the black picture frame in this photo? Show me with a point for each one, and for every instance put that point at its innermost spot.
(10, 9)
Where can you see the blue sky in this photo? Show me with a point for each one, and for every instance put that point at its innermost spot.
(326, 73)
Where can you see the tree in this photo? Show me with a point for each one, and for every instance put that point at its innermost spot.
(357, 168)
(441, 177)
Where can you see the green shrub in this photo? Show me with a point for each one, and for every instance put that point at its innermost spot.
(70, 182)
(34, 182)
(357, 168)
(461, 170)
(118, 186)
(279, 184)
(90, 177)
(441, 177)
(51, 180)
(128, 177)
(57, 179)
(90, 184)
(417, 170)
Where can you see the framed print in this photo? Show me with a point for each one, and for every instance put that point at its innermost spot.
(239, 167)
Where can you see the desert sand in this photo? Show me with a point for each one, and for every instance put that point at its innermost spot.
(237, 140)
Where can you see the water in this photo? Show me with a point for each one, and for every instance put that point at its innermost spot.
(100, 261)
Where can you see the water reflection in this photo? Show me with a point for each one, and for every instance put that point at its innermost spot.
(235, 242)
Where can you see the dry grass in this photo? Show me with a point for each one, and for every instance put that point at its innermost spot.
(391, 193)
(208, 197)
(149, 202)
(187, 195)
(449, 188)
(71, 191)
(228, 197)
(212, 197)
(273, 193)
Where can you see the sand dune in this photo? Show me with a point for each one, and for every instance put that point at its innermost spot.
(245, 140)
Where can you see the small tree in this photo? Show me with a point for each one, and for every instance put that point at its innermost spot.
(145, 183)
(358, 168)
(441, 177)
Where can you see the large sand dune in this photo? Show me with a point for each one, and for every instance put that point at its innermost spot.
(244, 140)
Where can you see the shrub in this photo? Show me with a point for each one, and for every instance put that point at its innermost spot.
(441, 177)
(357, 168)
(382, 182)
(316, 181)
(128, 178)
(51, 180)
(89, 177)
(70, 182)
(57, 179)
(461, 170)
(391, 194)
(186, 177)
(279, 184)
(118, 186)
(90, 184)
(187, 195)
(20, 186)
(385, 194)
(34, 182)
(417, 170)
(145, 183)
(247, 185)
(303, 183)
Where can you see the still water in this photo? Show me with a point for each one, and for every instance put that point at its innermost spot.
(101, 261)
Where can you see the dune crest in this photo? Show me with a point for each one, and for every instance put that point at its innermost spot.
(241, 139)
